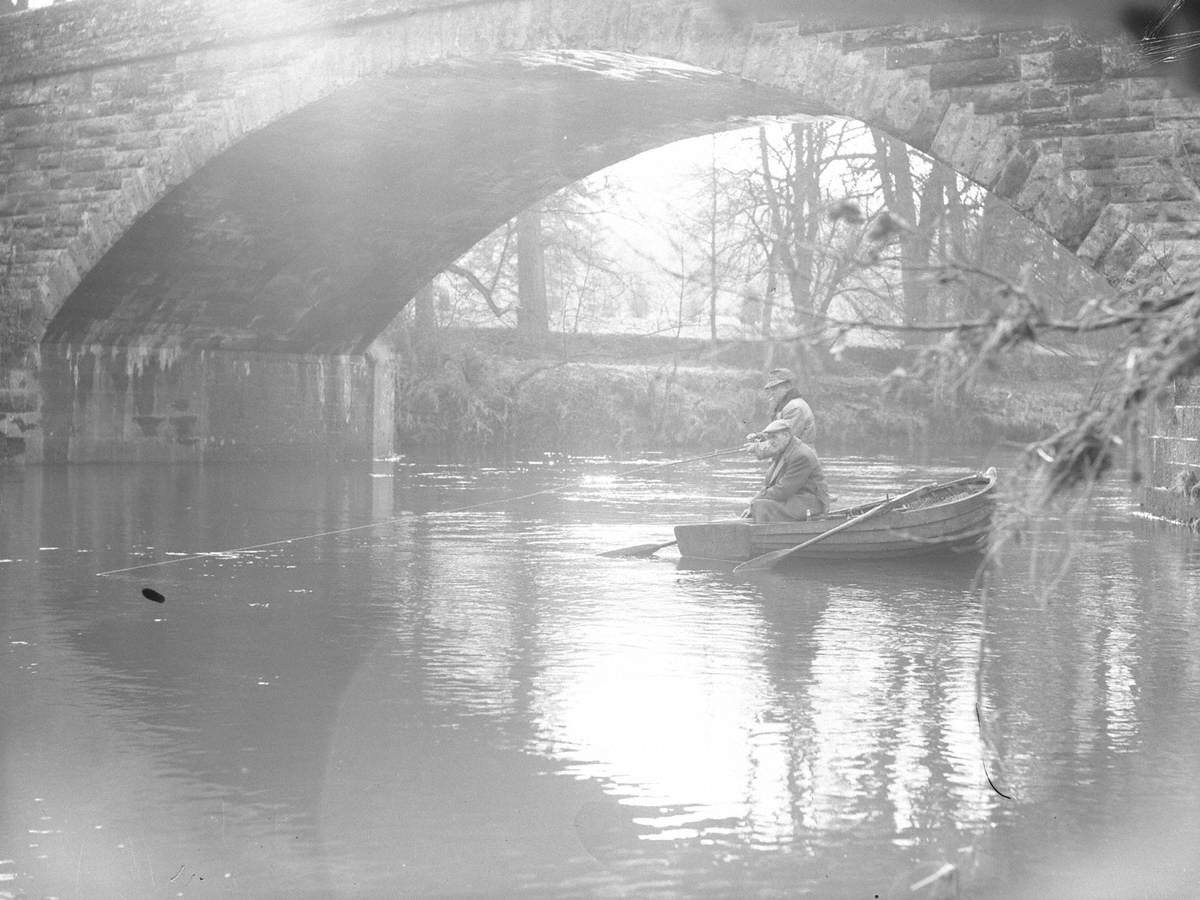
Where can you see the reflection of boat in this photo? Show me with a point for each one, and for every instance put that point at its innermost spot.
(948, 516)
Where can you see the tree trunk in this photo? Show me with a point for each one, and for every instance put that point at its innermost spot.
(533, 316)
(771, 301)
(895, 176)
(425, 338)
(920, 242)
(805, 226)
(779, 260)
(952, 236)
(712, 246)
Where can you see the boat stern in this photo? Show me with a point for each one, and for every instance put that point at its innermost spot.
(726, 540)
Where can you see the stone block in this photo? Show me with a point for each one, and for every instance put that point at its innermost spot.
(1153, 192)
(100, 128)
(922, 128)
(1134, 175)
(26, 182)
(1043, 175)
(1048, 97)
(943, 76)
(1072, 212)
(10, 203)
(1108, 150)
(1035, 67)
(1044, 116)
(1138, 87)
(1076, 64)
(1056, 131)
(897, 35)
(1185, 212)
(1020, 43)
(86, 161)
(1124, 252)
(985, 46)
(1125, 60)
(1008, 97)
(1095, 101)
(23, 117)
(1127, 124)
(1184, 109)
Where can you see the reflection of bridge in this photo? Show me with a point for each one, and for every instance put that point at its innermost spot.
(206, 218)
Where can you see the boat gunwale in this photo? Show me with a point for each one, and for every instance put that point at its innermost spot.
(839, 515)
(988, 484)
(969, 507)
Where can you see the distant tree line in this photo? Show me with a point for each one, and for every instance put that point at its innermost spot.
(804, 232)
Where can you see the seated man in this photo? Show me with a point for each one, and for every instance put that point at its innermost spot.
(795, 485)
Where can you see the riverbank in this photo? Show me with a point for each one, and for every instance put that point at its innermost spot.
(487, 391)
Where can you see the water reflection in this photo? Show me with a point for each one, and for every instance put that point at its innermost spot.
(465, 698)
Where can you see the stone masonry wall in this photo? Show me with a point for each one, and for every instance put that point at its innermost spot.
(128, 406)
(107, 104)
(1172, 441)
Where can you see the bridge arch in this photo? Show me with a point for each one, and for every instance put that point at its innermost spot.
(199, 205)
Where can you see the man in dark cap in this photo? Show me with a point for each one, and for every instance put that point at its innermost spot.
(789, 405)
(794, 488)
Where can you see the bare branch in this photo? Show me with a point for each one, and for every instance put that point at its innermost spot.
(485, 291)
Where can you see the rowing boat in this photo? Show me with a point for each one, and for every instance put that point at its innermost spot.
(952, 516)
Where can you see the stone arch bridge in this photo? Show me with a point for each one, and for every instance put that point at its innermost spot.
(209, 209)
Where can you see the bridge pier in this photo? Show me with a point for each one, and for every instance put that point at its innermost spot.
(128, 404)
(1171, 486)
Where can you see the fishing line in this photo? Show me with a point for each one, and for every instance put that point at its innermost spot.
(310, 537)
(320, 534)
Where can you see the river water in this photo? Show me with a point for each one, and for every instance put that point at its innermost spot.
(465, 699)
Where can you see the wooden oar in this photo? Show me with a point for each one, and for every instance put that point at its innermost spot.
(638, 550)
(768, 560)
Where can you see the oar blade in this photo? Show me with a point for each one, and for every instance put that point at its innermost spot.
(764, 561)
(637, 551)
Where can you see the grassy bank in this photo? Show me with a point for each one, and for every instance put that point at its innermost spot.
(486, 392)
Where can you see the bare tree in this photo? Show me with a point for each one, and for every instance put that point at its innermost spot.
(533, 319)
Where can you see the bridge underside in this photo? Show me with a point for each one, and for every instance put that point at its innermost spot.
(280, 261)
(309, 235)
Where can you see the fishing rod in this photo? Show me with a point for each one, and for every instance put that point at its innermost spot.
(680, 462)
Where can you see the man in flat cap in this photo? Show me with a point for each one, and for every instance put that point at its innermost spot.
(789, 405)
(794, 488)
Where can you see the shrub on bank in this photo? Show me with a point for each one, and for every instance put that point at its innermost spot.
(573, 408)
(477, 404)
